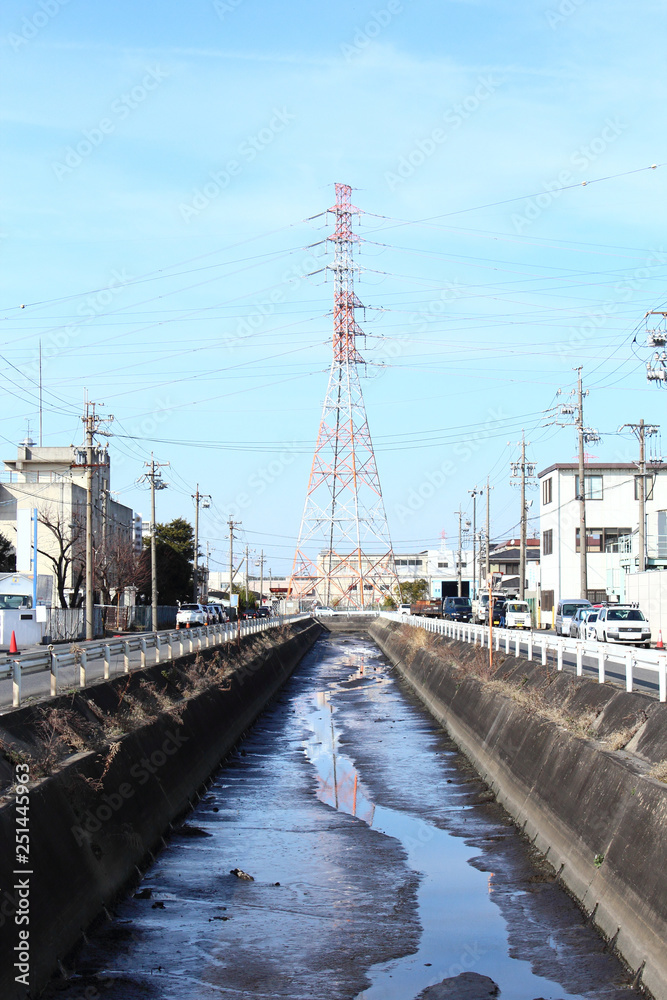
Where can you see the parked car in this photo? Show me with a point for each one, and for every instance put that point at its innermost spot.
(623, 623)
(576, 620)
(264, 612)
(457, 609)
(517, 615)
(404, 609)
(193, 615)
(499, 606)
(212, 614)
(565, 612)
(587, 625)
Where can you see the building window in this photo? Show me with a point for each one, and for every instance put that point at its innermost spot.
(546, 491)
(602, 539)
(648, 488)
(593, 487)
(547, 600)
(597, 596)
(547, 541)
(443, 565)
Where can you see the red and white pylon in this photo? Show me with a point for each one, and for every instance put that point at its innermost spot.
(344, 554)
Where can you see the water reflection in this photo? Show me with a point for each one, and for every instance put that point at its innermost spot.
(337, 778)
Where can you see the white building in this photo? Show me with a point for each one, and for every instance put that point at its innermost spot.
(612, 525)
(52, 481)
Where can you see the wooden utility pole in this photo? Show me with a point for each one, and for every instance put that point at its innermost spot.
(154, 477)
(642, 431)
(474, 493)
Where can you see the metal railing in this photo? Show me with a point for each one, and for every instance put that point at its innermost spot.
(541, 646)
(186, 640)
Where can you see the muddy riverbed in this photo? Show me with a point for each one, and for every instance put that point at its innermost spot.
(380, 868)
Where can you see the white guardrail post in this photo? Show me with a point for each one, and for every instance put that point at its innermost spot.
(629, 669)
(107, 661)
(580, 659)
(54, 672)
(83, 663)
(559, 654)
(126, 657)
(16, 683)
(662, 677)
(602, 658)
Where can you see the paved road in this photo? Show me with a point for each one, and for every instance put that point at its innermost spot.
(37, 686)
(645, 679)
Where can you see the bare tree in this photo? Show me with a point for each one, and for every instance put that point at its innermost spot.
(116, 567)
(65, 556)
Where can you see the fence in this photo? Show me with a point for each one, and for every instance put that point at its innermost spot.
(53, 660)
(605, 655)
(69, 624)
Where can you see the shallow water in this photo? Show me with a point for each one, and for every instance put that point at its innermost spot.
(377, 871)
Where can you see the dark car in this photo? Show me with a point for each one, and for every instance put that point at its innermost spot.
(264, 612)
(499, 606)
(457, 609)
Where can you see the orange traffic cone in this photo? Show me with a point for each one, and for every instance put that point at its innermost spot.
(13, 648)
(187, 624)
(660, 644)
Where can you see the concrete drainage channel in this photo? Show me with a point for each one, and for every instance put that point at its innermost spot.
(595, 811)
(380, 868)
(80, 833)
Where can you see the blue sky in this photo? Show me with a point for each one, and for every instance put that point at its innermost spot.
(165, 170)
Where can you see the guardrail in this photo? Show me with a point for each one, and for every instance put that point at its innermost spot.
(628, 658)
(81, 655)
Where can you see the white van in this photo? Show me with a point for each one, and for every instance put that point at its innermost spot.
(517, 615)
(565, 612)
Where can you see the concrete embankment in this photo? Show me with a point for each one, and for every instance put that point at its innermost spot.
(99, 816)
(595, 812)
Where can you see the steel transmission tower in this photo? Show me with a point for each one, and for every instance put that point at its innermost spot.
(344, 512)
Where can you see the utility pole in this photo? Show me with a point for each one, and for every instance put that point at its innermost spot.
(459, 570)
(488, 527)
(586, 435)
(231, 524)
(154, 477)
(474, 493)
(198, 498)
(583, 540)
(522, 545)
(261, 578)
(523, 474)
(247, 567)
(91, 422)
(641, 431)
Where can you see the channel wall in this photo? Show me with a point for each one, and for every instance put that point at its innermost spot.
(596, 814)
(97, 822)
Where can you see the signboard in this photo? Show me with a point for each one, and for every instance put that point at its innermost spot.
(234, 601)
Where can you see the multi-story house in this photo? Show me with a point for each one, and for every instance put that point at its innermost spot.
(612, 528)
